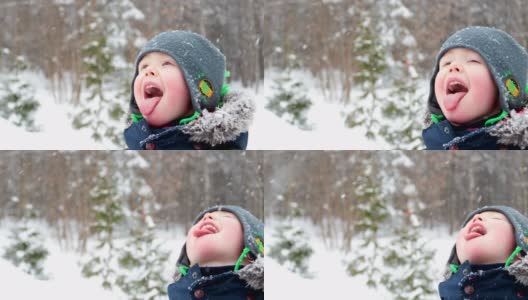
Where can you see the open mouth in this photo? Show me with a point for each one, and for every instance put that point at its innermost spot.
(475, 230)
(152, 91)
(205, 229)
(456, 86)
(152, 94)
(455, 91)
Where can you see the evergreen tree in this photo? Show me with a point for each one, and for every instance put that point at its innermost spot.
(410, 259)
(405, 258)
(372, 64)
(108, 213)
(142, 262)
(405, 107)
(292, 249)
(17, 101)
(290, 101)
(27, 250)
(372, 214)
(109, 33)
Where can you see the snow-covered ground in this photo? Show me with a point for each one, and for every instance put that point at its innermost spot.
(328, 268)
(56, 131)
(63, 269)
(268, 131)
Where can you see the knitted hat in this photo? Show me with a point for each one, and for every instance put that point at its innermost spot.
(507, 62)
(253, 230)
(202, 65)
(516, 219)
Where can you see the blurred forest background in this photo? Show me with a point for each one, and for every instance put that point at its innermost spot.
(173, 188)
(332, 189)
(322, 34)
(51, 33)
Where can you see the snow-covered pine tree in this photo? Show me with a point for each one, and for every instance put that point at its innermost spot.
(17, 97)
(27, 250)
(402, 111)
(409, 262)
(109, 34)
(404, 107)
(290, 100)
(142, 262)
(373, 212)
(292, 248)
(108, 213)
(391, 238)
(372, 64)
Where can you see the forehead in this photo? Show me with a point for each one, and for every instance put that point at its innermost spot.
(152, 56)
(493, 214)
(223, 213)
(459, 52)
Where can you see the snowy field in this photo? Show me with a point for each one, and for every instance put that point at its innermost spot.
(330, 274)
(268, 131)
(62, 266)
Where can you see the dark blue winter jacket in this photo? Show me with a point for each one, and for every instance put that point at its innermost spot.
(482, 282)
(212, 283)
(140, 136)
(444, 136)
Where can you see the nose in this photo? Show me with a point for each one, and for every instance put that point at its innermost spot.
(476, 218)
(207, 216)
(149, 71)
(454, 67)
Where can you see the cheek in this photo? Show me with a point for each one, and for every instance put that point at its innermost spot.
(137, 89)
(460, 249)
(439, 86)
(508, 237)
(483, 84)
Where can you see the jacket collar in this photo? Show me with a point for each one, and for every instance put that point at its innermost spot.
(512, 132)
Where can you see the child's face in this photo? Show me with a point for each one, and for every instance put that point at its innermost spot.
(160, 90)
(486, 239)
(464, 87)
(216, 240)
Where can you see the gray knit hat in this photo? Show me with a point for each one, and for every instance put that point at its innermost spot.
(507, 62)
(516, 219)
(202, 65)
(252, 228)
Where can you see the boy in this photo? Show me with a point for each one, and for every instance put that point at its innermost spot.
(179, 100)
(222, 257)
(489, 260)
(478, 93)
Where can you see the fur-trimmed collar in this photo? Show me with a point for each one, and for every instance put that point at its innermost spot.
(224, 124)
(513, 130)
(519, 270)
(253, 274)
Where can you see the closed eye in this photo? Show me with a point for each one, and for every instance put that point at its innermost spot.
(142, 67)
(445, 64)
(167, 63)
(475, 61)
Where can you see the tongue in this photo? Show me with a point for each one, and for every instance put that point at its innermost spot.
(202, 232)
(472, 235)
(451, 100)
(147, 106)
